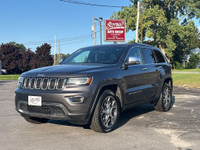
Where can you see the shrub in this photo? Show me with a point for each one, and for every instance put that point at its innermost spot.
(178, 65)
(193, 61)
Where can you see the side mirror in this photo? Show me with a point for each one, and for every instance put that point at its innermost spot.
(131, 61)
(61, 60)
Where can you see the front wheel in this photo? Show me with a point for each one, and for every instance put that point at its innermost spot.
(165, 101)
(106, 113)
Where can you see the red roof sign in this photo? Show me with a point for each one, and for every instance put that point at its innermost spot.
(115, 30)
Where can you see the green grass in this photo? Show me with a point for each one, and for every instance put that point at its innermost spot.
(189, 70)
(9, 77)
(189, 80)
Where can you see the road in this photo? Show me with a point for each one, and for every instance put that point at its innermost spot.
(140, 128)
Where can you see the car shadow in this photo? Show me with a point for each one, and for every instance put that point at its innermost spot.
(137, 111)
(124, 116)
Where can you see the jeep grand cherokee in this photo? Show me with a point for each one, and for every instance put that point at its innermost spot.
(95, 84)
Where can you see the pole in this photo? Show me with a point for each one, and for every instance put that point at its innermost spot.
(54, 49)
(94, 31)
(141, 24)
(59, 50)
(100, 33)
(137, 24)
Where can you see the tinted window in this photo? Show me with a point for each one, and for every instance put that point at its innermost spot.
(148, 56)
(104, 55)
(159, 57)
(134, 52)
(80, 58)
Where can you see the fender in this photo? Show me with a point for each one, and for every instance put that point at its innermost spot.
(164, 78)
(97, 95)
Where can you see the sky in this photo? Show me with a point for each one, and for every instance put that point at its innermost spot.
(33, 22)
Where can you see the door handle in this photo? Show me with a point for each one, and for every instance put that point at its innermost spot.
(144, 69)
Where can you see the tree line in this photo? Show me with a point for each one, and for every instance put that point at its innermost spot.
(167, 24)
(17, 59)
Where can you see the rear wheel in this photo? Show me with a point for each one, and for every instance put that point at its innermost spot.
(36, 120)
(165, 101)
(106, 113)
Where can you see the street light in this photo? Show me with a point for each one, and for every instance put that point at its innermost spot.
(100, 20)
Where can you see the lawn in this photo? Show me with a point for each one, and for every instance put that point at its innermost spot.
(188, 70)
(9, 77)
(190, 80)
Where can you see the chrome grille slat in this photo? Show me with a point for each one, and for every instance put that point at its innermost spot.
(38, 83)
(52, 84)
(44, 83)
(22, 85)
(27, 83)
(32, 83)
(60, 83)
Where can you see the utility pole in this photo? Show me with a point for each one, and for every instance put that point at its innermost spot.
(93, 30)
(58, 50)
(137, 24)
(100, 34)
(54, 49)
(100, 20)
(141, 23)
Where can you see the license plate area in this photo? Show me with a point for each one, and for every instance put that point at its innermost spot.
(34, 100)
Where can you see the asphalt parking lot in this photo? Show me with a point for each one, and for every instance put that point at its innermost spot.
(139, 128)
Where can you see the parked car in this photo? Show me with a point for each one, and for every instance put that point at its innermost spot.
(95, 84)
(3, 71)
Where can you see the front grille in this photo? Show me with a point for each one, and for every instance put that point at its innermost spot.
(43, 83)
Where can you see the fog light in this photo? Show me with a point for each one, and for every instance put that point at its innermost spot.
(75, 99)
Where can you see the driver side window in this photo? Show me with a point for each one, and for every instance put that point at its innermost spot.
(134, 52)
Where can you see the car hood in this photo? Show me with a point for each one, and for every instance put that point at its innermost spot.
(63, 70)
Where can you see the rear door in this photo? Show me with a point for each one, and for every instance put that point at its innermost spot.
(150, 74)
(161, 67)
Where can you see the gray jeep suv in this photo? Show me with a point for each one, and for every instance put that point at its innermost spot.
(95, 84)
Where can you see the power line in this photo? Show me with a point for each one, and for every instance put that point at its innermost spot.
(89, 4)
(61, 40)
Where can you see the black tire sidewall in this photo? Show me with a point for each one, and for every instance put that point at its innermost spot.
(163, 89)
(101, 99)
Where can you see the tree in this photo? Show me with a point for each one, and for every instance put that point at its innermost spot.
(193, 61)
(43, 57)
(28, 61)
(20, 47)
(162, 23)
(11, 58)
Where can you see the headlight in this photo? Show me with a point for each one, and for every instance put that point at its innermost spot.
(20, 81)
(79, 81)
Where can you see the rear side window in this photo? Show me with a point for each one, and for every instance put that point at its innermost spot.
(159, 57)
(148, 56)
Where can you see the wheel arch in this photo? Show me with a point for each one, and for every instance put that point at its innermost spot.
(115, 87)
(169, 81)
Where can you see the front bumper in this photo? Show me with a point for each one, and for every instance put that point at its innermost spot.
(56, 105)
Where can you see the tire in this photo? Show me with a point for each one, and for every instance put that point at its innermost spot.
(35, 120)
(106, 113)
(165, 100)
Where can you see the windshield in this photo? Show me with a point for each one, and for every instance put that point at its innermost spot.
(102, 55)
